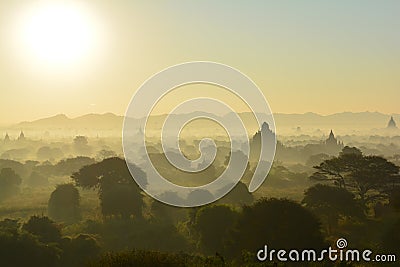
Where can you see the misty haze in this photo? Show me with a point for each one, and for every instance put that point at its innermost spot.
(71, 195)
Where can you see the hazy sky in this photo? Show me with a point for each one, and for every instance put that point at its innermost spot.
(317, 56)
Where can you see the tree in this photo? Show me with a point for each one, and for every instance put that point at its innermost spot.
(350, 151)
(20, 249)
(213, 224)
(155, 259)
(119, 194)
(370, 178)
(79, 250)
(391, 239)
(80, 140)
(394, 198)
(374, 178)
(9, 183)
(279, 223)
(331, 204)
(121, 199)
(18, 167)
(64, 204)
(44, 228)
(71, 165)
(81, 145)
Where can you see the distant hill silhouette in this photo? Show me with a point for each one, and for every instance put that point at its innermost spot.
(110, 121)
(61, 121)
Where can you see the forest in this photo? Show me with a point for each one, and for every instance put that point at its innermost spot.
(84, 209)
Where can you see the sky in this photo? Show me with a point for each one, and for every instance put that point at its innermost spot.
(91, 56)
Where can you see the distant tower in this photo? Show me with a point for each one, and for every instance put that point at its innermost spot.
(268, 138)
(332, 144)
(6, 138)
(392, 124)
(265, 128)
(21, 136)
(331, 141)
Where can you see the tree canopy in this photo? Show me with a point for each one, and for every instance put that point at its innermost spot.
(64, 204)
(212, 224)
(370, 178)
(331, 203)
(281, 223)
(119, 194)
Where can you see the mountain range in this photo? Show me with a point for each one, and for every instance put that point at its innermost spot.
(110, 121)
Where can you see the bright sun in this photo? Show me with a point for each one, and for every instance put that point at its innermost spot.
(58, 34)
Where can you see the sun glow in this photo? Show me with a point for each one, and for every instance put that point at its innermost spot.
(58, 34)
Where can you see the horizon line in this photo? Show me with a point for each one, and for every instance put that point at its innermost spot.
(164, 114)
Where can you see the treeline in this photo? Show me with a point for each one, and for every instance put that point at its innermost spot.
(216, 235)
(354, 197)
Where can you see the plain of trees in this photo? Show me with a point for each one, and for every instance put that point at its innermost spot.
(350, 194)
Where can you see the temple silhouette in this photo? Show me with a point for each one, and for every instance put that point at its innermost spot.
(391, 124)
(332, 143)
(21, 136)
(6, 138)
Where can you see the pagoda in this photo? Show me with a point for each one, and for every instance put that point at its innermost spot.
(392, 124)
(21, 136)
(6, 138)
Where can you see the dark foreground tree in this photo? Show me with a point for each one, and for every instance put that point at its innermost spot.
(64, 204)
(119, 194)
(38, 243)
(394, 198)
(155, 259)
(21, 249)
(44, 228)
(370, 178)
(120, 234)
(213, 223)
(79, 250)
(391, 239)
(331, 204)
(278, 223)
